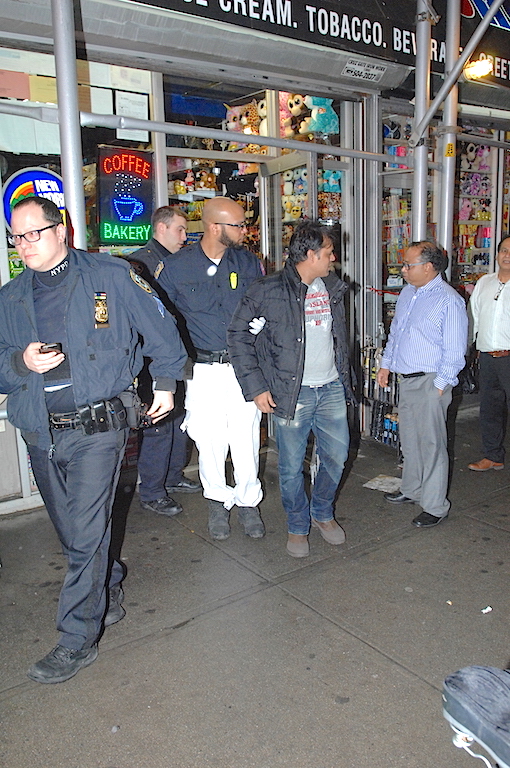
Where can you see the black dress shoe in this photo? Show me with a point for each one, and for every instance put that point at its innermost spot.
(424, 520)
(184, 486)
(398, 498)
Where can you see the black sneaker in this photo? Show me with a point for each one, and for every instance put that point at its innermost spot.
(165, 506)
(115, 610)
(61, 663)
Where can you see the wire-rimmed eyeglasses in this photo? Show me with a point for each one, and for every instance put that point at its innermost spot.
(31, 237)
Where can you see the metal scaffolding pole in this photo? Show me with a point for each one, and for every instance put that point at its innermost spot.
(69, 117)
(421, 103)
(158, 141)
(449, 134)
(452, 78)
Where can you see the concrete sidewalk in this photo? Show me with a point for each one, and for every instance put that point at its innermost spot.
(234, 655)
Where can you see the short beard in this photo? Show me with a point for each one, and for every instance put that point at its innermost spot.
(226, 241)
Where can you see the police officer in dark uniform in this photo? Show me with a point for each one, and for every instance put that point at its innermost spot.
(205, 281)
(70, 326)
(164, 447)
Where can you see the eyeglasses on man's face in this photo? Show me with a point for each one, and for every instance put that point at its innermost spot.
(226, 224)
(406, 265)
(30, 237)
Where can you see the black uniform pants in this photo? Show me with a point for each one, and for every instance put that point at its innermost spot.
(78, 487)
(494, 401)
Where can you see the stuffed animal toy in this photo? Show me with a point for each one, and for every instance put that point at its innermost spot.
(287, 207)
(288, 182)
(298, 111)
(331, 181)
(300, 181)
(284, 111)
(262, 113)
(189, 181)
(468, 157)
(250, 118)
(179, 187)
(483, 158)
(322, 118)
(233, 119)
(465, 209)
(233, 123)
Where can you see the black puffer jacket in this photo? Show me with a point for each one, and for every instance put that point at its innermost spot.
(274, 359)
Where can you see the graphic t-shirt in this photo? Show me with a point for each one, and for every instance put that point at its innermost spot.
(319, 351)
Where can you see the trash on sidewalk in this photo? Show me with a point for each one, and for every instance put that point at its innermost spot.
(384, 483)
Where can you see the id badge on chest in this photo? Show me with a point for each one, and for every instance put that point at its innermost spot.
(100, 310)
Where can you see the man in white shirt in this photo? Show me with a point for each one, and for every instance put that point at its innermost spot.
(490, 308)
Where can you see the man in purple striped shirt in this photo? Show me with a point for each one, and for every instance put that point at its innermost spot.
(426, 348)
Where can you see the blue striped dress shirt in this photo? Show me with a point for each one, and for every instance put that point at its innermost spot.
(428, 333)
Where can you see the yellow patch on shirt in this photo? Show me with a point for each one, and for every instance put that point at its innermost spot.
(159, 269)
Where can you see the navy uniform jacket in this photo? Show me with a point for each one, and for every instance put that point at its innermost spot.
(206, 296)
(104, 360)
(151, 255)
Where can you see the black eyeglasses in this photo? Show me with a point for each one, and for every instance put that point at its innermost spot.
(226, 223)
(30, 237)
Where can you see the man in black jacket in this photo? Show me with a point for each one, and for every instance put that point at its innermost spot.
(288, 345)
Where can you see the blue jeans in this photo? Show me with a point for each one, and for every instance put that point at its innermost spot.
(323, 411)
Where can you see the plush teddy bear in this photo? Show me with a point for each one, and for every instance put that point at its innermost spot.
(322, 118)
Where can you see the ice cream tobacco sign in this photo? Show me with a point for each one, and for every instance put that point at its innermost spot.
(125, 184)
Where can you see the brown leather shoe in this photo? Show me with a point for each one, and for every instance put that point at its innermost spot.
(484, 464)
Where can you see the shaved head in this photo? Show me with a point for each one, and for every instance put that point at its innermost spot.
(221, 209)
(224, 226)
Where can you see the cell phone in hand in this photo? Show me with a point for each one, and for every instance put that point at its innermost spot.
(55, 346)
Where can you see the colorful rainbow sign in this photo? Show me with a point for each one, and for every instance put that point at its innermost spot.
(32, 182)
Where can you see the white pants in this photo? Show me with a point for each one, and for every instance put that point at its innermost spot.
(218, 418)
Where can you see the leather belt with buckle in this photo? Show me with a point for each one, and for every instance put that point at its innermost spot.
(499, 353)
(207, 356)
(412, 375)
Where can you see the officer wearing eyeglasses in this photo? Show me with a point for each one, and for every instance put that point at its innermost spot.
(69, 348)
(426, 348)
(206, 281)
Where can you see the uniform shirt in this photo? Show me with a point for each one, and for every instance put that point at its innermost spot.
(428, 332)
(207, 294)
(491, 318)
(151, 255)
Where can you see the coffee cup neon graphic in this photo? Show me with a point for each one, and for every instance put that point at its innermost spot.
(128, 207)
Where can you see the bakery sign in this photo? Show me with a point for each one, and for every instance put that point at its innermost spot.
(125, 195)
